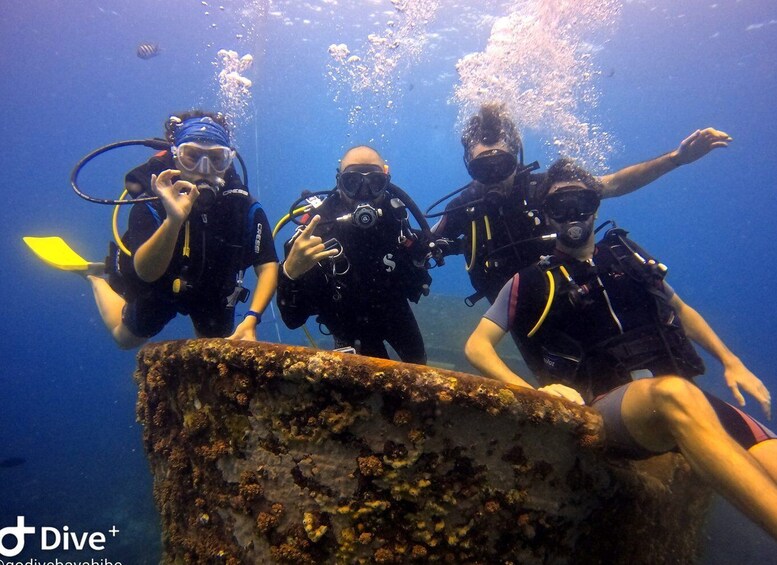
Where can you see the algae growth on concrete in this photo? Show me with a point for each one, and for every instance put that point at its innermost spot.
(265, 453)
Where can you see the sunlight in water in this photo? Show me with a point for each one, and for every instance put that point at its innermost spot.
(368, 82)
(234, 87)
(538, 62)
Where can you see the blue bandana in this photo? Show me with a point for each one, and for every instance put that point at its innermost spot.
(202, 130)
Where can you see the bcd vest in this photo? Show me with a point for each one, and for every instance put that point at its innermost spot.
(608, 321)
(221, 236)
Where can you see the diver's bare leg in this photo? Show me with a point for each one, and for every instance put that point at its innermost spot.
(663, 412)
(110, 305)
(766, 454)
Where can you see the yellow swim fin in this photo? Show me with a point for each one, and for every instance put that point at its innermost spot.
(57, 253)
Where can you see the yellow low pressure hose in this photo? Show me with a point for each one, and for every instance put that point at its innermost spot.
(115, 227)
(474, 248)
(474, 239)
(551, 296)
(179, 283)
(284, 220)
(186, 240)
(488, 233)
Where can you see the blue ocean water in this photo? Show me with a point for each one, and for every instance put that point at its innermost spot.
(71, 81)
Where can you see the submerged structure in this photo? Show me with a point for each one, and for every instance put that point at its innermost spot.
(266, 453)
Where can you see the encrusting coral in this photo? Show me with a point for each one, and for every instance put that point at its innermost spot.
(265, 453)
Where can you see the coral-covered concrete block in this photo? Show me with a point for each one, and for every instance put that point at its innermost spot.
(267, 453)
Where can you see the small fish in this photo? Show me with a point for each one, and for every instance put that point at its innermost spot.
(148, 50)
(11, 462)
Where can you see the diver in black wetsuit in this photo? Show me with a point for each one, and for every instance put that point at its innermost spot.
(598, 324)
(357, 263)
(497, 222)
(189, 248)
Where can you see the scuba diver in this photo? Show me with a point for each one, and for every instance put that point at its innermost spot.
(496, 220)
(193, 230)
(597, 323)
(357, 261)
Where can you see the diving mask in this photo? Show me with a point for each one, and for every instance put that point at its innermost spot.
(492, 166)
(567, 204)
(365, 181)
(203, 159)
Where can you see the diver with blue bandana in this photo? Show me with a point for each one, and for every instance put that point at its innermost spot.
(355, 261)
(193, 230)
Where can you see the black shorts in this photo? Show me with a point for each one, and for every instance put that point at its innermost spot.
(146, 316)
(744, 429)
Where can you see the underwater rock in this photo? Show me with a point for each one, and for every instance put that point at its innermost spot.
(267, 453)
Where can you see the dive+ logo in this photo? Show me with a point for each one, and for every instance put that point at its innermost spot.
(50, 538)
(18, 531)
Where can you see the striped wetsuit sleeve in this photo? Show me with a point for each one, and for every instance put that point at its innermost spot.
(502, 311)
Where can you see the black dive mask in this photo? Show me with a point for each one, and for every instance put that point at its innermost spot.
(492, 166)
(573, 209)
(569, 204)
(363, 182)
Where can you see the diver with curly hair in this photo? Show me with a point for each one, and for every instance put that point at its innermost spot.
(496, 220)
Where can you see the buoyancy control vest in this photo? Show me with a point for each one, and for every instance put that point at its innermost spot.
(211, 262)
(599, 324)
(374, 268)
(502, 234)
(383, 261)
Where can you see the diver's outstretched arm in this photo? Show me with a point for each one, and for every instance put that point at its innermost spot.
(735, 372)
(693, 147)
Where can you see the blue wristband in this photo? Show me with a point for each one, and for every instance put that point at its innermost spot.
(256, 315)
